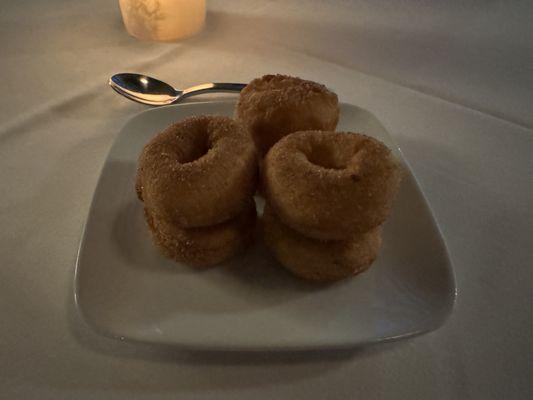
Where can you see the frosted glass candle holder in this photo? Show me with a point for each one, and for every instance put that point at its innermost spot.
(163, 20)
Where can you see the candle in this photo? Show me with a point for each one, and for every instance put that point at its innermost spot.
(162, 20)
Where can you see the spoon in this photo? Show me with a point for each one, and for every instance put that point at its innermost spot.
(147, 90)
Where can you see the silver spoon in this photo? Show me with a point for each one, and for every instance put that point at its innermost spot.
(146, 90)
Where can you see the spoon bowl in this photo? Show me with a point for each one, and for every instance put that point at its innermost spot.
(147, 90)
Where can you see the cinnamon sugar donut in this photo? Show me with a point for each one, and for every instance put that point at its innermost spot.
(316, 260)
(203, 246)
(273, 106)
(330, 185)
(198, 172)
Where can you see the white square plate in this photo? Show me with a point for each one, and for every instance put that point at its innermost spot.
(126, 289)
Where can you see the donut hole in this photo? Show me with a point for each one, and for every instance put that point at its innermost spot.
(199, 147)
(327, 156)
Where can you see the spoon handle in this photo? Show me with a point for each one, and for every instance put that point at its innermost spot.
(210, 88)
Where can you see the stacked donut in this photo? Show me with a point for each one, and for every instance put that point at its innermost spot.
(326, 192)
(197, 179)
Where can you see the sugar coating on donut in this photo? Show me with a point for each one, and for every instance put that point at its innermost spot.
(198, 172)
(316, 260)
(330, 185)
(273, 106)
(204, 246)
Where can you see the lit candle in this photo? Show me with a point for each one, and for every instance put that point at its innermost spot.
(162, 20)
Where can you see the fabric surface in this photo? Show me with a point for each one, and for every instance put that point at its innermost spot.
(452, 83)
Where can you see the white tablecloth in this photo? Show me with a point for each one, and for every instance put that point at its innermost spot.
(452, 83)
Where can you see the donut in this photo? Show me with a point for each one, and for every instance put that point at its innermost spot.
(317, 260)
(205, 246)
(198, 172)
(273, 106)
(330, 185)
